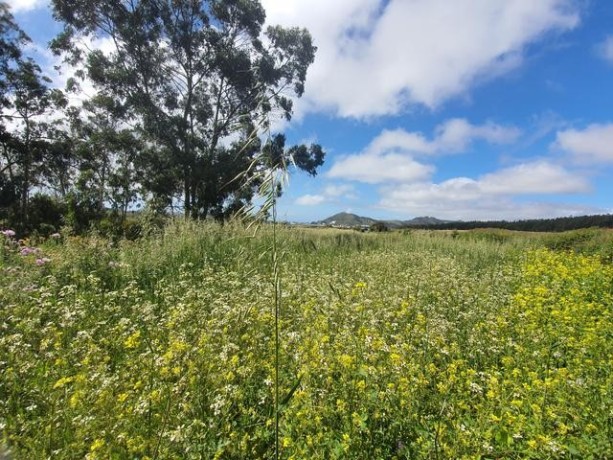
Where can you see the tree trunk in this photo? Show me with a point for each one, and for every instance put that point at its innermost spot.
(25, 186)
(186, 193)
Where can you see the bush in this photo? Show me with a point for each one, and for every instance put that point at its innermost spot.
(46, 214)
(379, 227)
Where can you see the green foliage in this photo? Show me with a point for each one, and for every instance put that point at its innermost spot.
(179, 109)
(558, 224)
(394, 345)
(12, 39)
(379, 227)
(214, 80)
(83, 210)
(107, 153)
(9, 197)
(27, 151)
(591, 241)
(46, 214)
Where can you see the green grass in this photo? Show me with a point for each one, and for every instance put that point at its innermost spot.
(402, 345)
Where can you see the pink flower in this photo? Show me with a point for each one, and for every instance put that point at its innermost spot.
(26, 251)
(8, 233)
(42, 261)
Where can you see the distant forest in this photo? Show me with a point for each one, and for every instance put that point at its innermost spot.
(559, 224)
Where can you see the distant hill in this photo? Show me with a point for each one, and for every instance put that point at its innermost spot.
(346, 219)
(558, 224)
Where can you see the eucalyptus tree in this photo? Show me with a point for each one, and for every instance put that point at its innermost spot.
(105, 151)
(28, 135)
(198, 80)
(12, 39)
(31, 140)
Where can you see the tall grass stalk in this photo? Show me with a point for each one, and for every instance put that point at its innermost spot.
(272, 177)
(270, 190)
(277, 300)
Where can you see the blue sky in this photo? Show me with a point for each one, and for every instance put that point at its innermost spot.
(469, 109)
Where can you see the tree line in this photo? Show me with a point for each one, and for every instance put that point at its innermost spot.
(174, 115)
(558, 224)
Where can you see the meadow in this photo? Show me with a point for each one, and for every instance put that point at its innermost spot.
(400, 345)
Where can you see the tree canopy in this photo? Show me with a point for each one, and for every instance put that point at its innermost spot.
(197, 82)
(28, 135)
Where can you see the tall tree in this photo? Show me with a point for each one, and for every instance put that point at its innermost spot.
(32, 136)
(12, 38)
(105, 152)
(27, 140)
(189, 74)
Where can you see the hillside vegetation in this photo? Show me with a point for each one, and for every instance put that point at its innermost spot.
(405, 345)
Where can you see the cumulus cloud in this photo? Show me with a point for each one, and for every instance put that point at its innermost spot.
(452, 136)
(390, 156)
(339, 191)
(333, 192)
(456, 134)
(538, 177)
(400, 140)
(491, 196)
(374, 169)
(485, 208)
(376, 57)
(593, 144)
(605, 49)
(18, 6)
(310, 200)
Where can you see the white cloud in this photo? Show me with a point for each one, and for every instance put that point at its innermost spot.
(377, 57)
(491, 196)
(339, 191)
(594, 144)
(484, 208)
(374, 169)
(400, 140)
(605, 49)
(453, 136)
(389, 157)
(310, 200)
(456, 134)
(25, 5)
(538, 177)
(329, 193)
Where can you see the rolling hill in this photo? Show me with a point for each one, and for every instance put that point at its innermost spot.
(346, 219)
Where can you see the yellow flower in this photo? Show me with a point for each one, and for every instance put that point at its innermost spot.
(97, 445)
(532, 444)
(63, 382)
(132, 341)
(74, 400)
(346, 360)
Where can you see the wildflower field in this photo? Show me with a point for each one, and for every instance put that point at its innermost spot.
(404, 345)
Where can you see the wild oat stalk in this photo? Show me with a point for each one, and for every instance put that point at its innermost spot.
(270, 172)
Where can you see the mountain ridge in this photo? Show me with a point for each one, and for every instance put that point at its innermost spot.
(346, 219)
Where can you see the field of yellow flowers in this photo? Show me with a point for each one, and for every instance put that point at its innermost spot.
(415, 345)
